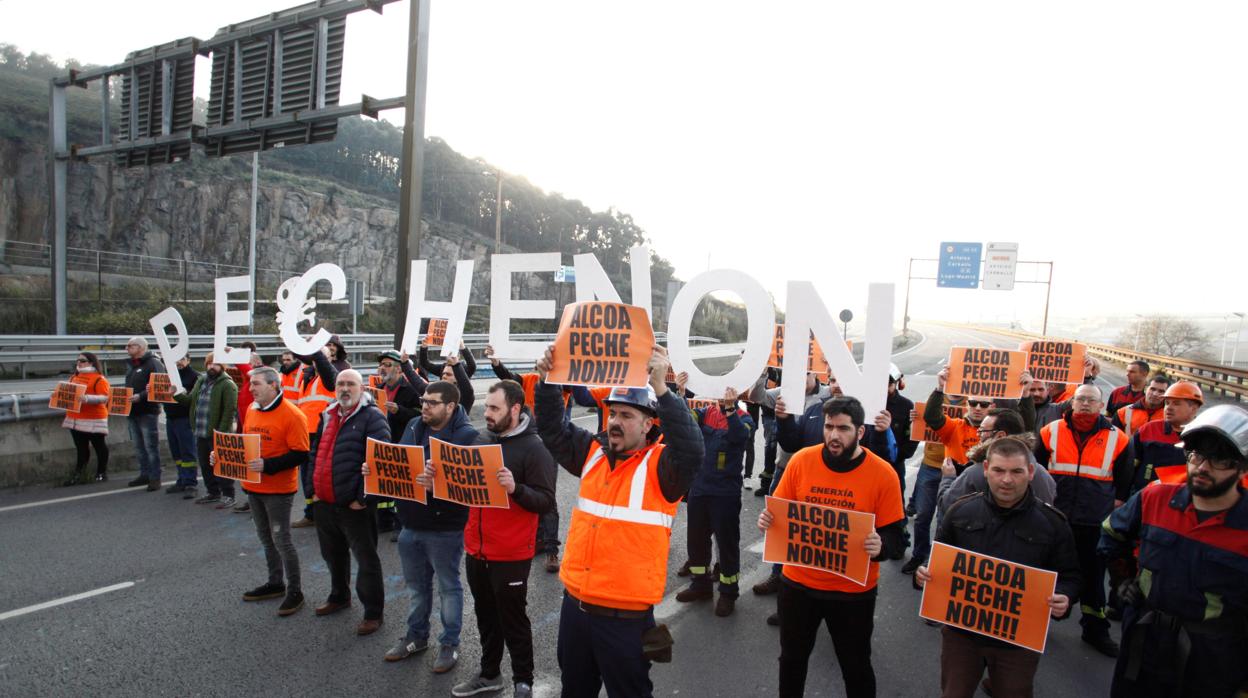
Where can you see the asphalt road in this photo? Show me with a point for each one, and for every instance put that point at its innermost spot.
(166, 617)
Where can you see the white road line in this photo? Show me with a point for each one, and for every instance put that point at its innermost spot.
(64, 600)
(76, 497)
(910, 349)
(921, 372)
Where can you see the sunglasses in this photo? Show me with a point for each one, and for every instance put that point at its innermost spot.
(979, 403)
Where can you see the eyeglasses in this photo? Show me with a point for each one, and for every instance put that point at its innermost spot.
(83, 361)
(426, 402)
(1085, 399)
(979, 403)
(1198, 460)
(985, 432)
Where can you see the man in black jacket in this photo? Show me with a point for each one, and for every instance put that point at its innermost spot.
(1008, 522)
(403, 391)
(345, 519)
(144, 414)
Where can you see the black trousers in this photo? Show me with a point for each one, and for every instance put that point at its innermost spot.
(753, 410)
(1092, 569)
(721, 517)
(217, 486)
(500, 594)
(596, 651)
(850, 623)
(345, 532)
(84, 441)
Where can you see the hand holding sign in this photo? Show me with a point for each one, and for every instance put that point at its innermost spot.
(468, 475)
(67, 396)
(507, 480)
(986, 372)
(232, 455)
(659, 365)
(393, 470)
(1056, 361)
(833, 540)
(119, 400)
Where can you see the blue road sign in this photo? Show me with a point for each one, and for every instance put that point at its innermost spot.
(959, 264)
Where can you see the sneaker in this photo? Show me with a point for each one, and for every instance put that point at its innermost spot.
(406, 648)
(175, 488)
(1103, 643)
(138, 481)
(522, 690)
(774, 619)
(770, 585)
(265, 591)
(552, 562)
(305, 522)
(472, 687)
(691, 594)
(447, 657)
(725, 605)
(153, 486)
(101, 477)
(208, 499)
(912, 565)
(225, 503)
(242, 507)
(293, 602)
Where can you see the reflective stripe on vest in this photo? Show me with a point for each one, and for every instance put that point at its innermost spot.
(634, 512)
(1105, 471)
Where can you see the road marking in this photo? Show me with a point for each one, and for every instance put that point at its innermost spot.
(76, 497)
(910, 349)
(64, 600)
(921, 372)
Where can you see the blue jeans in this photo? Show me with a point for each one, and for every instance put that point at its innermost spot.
(424, 554)
(146, 444)
(182, 447)
(926, 485)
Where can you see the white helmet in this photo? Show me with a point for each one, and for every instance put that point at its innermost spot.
(1227, 422)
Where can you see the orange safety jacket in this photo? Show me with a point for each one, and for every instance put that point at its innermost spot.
(292, 385)
(1095, 461)
(314, 398)
(1134, 416)
(616, 552)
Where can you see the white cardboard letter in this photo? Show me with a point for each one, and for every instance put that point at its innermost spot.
(456, 311)
(170, 356)
(227, 318)
(593, 284)
(761, 318)
(805, 312)
(292, 308)
(503, 308)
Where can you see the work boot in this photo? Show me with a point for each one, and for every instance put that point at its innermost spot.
(774, 619)
(770, 585)
(1102, 642)
(138, 481)
(725, 605)
(305, 522)
(552, 562)
(695, 593)
(153, 486)
(912, 565)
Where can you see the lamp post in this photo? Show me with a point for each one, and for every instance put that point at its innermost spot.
(1235, 346)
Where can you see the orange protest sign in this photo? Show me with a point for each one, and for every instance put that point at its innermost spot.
(231, 453)
(990, 596)
(818, 537)
(375, 380)
(159, 389)
(1055, 361)
(392, 471)
(379, 397)
(816, 362)
(467, 474)
(919, 431)
(986, 372)
(119, 401)
(698, 403)
(603, 344)
(67, 396)
(436, 335)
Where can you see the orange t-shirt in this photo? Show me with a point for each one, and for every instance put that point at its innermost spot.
(281, 429)
(871, 487)
(958, 436)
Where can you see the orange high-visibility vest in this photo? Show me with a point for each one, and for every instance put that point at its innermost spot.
(1132, 418)
(1095, 462)
(313, 400)
(292, 385)
(616, 553)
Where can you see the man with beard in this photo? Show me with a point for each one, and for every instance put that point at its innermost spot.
(1185, 628)
(808, 597)
(500, 542)
(1158, 455)
(1147, 409)
(615, 560)
(212, 403)
(1091, 462)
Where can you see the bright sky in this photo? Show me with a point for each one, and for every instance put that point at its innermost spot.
(831, 141)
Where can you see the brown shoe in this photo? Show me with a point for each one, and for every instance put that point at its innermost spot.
(331, 607)
(368, 626)
(305, 522)
(552, 562)
(770, 585)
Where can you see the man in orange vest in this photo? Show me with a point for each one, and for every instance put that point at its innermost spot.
(283, 448)
(615, 559)
(292, 384)
(1158, 455)
(1147, 409)
(861, 481)
(317, 378)
(1091, 462)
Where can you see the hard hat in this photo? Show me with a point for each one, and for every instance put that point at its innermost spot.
(894, 373)
(641, 398)
(1228, 422)
(1185, 390)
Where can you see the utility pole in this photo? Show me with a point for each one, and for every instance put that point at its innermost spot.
(413, 156)
(498, 215)
(251, 256)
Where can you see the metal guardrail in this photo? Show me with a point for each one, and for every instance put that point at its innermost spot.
(1224, 380)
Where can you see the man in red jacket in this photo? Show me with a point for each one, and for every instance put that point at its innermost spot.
(500, 542)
